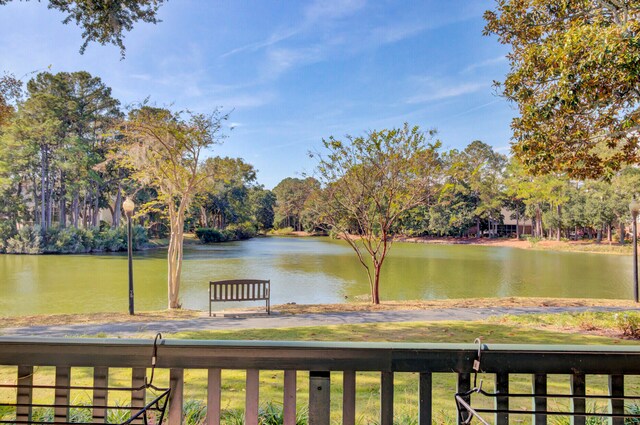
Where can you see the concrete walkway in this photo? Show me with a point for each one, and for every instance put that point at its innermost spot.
(284, 321)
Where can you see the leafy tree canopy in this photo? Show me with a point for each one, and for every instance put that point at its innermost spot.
(369, 182)
(105, 21)
(575, 68)
(10, 90)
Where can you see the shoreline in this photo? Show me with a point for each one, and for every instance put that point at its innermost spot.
(584, 246)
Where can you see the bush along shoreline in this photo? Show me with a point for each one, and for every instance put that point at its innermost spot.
(234, 232)
(70, 240)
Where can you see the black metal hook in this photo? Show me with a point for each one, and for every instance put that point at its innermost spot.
(476, 364)
(154, 360)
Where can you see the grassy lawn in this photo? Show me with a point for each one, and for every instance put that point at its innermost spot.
(513, 329)
(181, 314)
(495, 333)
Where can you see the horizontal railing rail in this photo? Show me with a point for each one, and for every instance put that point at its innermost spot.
(322, 358)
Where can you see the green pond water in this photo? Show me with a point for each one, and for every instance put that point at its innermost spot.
(305, 270)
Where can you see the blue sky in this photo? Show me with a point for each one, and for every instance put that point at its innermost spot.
(292, 72)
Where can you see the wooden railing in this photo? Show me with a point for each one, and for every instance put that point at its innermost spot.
(320, 359)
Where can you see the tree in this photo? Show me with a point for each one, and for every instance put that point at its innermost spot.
(10, 90)
(225, 195)
(263, 202)
(105, 22)
(292, 195)
(164, 149)
(368, 183)
(574, 76)
(57, 137)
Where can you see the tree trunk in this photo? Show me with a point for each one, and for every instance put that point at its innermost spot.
(63, 201)
(117, 209)
(599, 235)
(174, 254)
(203, 217)
(96, 208)
(375, 289)
(609, 233)
(478, 234)
(539, 222)
(85, 213)
(559, 230)
(50, 185)
(76, 209)
(43, 189)
(517, 224)
(621, 233)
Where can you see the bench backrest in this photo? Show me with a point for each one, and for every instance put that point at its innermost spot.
(240, 290)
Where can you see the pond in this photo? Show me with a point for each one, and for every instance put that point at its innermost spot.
(305, 270)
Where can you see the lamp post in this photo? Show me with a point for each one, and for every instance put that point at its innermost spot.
(634, 207)
(128, 207)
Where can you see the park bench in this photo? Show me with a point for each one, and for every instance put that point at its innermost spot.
(240, 290)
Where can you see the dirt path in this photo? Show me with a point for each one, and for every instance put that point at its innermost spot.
(128, 329)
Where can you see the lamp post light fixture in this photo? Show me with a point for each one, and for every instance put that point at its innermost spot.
(634, 207)
(128, 206)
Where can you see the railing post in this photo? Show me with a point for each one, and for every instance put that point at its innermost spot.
(100, 394)
(426, 398)
(464, 385)
(24, 394)
(616, 407)
(252, 397)
(138, 396)
(502, 403)
(539, 403)
(578, 404)
(349, 397)
(214, 389)
(289, 398)
(63, 381)
(319, 398)
(386, 398)
(176, 383)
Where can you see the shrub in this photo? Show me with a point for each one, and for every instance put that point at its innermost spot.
(68, 240)
(273, 414)
(194, 412)
(7, 230)
(629, 324)
(208, 235)
(632, 409)
(111, 240)
(140, 237)
(533, 239)
(282, 231)
(28, 240)
(114, 240)
(242, 231)
(234, 232)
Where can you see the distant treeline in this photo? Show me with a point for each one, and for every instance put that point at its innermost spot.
(56, 136)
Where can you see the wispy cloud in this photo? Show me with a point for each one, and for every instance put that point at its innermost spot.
(475, 108)
(280, 60)
(320, 11)
(485, 63)
(395, 33)
(273, 39)
(430, 90)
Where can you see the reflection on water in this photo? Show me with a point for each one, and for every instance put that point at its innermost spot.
(305, 270)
